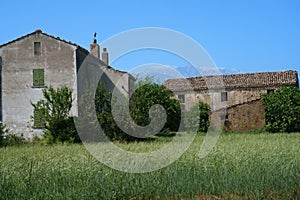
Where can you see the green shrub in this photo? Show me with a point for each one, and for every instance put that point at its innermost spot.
(14, 140)
(3, 131)
(66, 133)
(282, 110)
(103, 98)
(102, 105)
(149, 94)
(53, 115)
(9, 139)
(36, 140)
(197, 118)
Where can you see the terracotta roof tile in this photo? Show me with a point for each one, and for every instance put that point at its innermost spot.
(234, 81)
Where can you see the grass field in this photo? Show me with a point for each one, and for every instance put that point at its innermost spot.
(240, 166)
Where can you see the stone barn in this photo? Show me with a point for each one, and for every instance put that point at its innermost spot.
(39, 60)
(238, 94)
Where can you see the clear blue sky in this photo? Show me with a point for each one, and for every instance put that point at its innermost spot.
(247, 36)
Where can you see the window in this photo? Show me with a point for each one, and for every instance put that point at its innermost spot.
(181, 98)
(223, 96)
(269, 91)
(224, 117)
(182, 107)
(38, 78)
(37, 48)
(37, 121)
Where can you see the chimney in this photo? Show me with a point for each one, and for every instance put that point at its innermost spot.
(95, 49)
(105, 56)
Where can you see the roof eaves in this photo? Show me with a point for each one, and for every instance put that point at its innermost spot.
(38, 31)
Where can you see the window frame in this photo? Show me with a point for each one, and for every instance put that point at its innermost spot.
(270, 91)
(181, 98)
(37, 122)
(37, 48)
(38, 78)
(224, 96)
(224, 117)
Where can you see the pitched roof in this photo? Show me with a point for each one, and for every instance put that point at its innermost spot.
(39, 31)
(234, 81)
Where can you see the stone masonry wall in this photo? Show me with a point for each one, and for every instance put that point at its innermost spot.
(213, 98)
(247, 116)
(243, 107)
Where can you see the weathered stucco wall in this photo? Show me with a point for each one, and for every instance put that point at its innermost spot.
(244, 108)
(57, 58)
(61, 61)
(213, 97)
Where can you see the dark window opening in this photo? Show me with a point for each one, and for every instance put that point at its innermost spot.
(248, 113)
(38, 78)
(224, 96)
(224, 117)
(181, 98)
(269, 91)
(37, 48)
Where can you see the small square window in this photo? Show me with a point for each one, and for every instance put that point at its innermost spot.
(224, 96)
(38, 78)
(37, 48)
(181, 98)
(269, 91)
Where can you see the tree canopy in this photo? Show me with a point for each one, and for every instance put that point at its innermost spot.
(282, 110)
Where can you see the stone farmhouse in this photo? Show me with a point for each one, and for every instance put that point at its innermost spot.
(39, 60)
(236, 98)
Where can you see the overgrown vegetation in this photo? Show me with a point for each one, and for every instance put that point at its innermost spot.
(103, 103)
(148, 94)
(197, 118)
(10, 139)
(144, 97)
(263, 166)
(14, 140)
(282, 110)
(52, 113)
(3, 131)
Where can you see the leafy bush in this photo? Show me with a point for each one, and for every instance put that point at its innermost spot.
(53, 115)
(149, 94)
(282, 110)
(197, 118)
(3, 131)
(66, 132)
(141, 101)
(9, 139)
(14, 140)
(103, 103)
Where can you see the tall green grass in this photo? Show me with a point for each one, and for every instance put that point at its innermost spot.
(240, 166)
